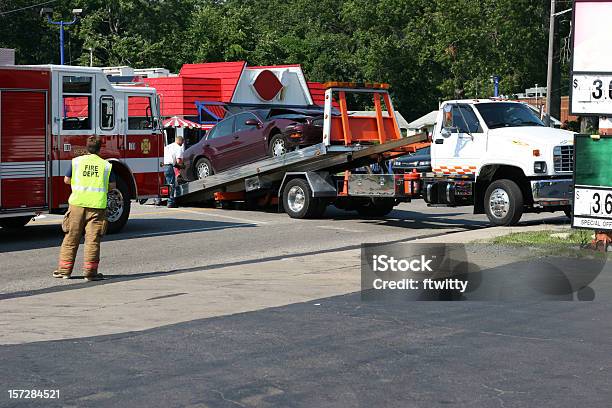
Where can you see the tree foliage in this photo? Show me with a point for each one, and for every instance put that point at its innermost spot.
(426, 49)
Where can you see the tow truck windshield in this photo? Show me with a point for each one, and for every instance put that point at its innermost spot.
(502, 114)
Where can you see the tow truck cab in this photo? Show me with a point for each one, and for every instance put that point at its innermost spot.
(499, 157)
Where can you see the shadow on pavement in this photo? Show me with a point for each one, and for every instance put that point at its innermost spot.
(421, 220)
(455, 354)
(48, 236)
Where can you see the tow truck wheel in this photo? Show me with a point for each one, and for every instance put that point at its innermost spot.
(376, 207)
(118, 207)
(14, 223)
(298, 201)
(504, 203)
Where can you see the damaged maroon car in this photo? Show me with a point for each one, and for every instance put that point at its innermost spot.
(250, 136)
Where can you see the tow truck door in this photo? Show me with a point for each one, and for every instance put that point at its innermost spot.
(461, 141)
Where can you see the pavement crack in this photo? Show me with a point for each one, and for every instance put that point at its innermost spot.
(502, 392)
(167, 296)
(228, 400)
(516, 336)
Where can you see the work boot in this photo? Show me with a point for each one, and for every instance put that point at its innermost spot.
(61, 274)
(96, 277)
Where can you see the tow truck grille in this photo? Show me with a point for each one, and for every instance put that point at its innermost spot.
(564, 158)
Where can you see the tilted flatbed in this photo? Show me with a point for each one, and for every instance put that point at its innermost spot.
(305, 181)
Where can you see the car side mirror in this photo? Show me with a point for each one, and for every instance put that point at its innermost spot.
(252, 122)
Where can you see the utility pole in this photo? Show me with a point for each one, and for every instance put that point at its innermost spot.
(48, 11)
(551, 53)
(496, 86)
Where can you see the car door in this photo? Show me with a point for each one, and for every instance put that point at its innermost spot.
(220, 145)
(461, 142)
(253, 145)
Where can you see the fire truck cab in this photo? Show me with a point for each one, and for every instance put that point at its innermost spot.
(46, 115)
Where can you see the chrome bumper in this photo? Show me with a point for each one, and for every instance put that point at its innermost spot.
(552, 192)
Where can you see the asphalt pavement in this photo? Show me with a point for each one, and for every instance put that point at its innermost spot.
(158, 239)
(215, 308)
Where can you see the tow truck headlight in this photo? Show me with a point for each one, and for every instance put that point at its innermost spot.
(539, 167)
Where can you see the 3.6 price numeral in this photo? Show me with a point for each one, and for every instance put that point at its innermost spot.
(599, 92)
(597, 204)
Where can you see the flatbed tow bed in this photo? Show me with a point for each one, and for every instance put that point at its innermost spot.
(305, 181)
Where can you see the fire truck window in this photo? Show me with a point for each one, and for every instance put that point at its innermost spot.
(76, 113)
(76, 108)
(107, 113)
(139, 113)
(75, 84)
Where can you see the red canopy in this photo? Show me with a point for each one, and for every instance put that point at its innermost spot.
(176, 122)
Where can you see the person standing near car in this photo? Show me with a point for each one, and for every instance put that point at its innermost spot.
(90, 178)
(173, 158)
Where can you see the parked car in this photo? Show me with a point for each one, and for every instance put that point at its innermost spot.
(419, 160)
(247, 137)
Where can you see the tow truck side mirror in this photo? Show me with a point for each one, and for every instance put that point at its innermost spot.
(447, 132)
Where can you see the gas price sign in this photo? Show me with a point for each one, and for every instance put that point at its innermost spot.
(593, 183)
(591, 88)
(593, 208)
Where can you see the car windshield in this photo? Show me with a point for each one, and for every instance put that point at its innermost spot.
(291, 116)
(502, 114)
(290, 113)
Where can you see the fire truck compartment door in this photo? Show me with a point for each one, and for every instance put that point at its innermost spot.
(23, 149)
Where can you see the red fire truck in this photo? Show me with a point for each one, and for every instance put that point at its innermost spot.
(46, 114)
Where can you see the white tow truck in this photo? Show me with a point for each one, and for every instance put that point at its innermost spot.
(500, 158)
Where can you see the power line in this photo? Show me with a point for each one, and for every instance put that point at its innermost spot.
(4, 13)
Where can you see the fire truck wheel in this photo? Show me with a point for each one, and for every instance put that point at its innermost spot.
(376, 207)
(504, 203)
(119, 206)
(298, 201)
(14, 223)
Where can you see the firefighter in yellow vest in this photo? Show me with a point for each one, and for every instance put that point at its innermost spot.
(90, 179)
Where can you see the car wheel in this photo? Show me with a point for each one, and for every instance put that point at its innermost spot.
(203, 169)
(504, 203)
(118, 207)
(278, 146)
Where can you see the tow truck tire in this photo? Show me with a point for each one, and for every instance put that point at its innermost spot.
(118, 208)
(14, 223)
(376, 207)
(298, 201)
(504, 203)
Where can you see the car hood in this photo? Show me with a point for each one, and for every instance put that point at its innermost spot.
(535, 136)
(415, 158)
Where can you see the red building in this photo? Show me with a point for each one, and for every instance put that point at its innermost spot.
(233, 83)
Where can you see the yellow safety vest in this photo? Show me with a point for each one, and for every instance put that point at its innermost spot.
(89, 182)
